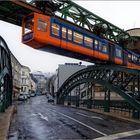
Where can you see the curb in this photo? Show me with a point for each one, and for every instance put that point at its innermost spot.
(5, 119)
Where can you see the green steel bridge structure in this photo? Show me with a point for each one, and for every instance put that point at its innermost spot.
(5, 76)
(114, 78)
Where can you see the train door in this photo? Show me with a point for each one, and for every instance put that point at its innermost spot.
(111, 53)
(125, 58)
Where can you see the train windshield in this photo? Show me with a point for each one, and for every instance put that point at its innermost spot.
(28, 24)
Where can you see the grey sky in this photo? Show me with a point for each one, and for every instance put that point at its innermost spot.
(124, 14)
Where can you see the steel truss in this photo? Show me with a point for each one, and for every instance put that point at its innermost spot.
(80, 16)
(121, 80)
(5, 76)
(13, 11)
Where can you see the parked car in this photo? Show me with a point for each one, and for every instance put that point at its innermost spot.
(22, 97)
(27, 94)
(32, 94)
(38, 93)
(50, 100)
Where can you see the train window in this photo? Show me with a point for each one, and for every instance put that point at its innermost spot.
(129, 57)
(88, 41)
(64, 32)
(100, 46)
(78, 38)
(104, 48)
(29, 25)
(69, 34)
(118, 53)
(132, 57)
(139, 60)
(55, 29)
(96, 44)
(42, 25)
(135, 59)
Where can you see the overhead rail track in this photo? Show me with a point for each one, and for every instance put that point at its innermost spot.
(121, 80)
(12, 11)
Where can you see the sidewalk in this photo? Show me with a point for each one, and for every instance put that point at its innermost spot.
(5, 119)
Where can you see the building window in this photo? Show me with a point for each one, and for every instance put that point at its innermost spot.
(23, 73)
(21, 89)
(55, 29)
(24, 89)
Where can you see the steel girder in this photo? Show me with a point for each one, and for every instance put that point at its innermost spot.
(121, 80)
(5, 76)
(12, 11)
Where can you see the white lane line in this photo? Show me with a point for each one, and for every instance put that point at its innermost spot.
(43, 117)
(119, 135)
(81, 123)
(93, 117)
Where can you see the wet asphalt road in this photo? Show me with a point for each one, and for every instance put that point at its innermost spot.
(36, 119)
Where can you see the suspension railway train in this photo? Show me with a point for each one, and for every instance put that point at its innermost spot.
(63, 37)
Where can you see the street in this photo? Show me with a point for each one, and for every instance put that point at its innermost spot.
(36, 119)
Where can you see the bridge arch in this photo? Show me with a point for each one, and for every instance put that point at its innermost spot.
(115, 78)
(5, 76)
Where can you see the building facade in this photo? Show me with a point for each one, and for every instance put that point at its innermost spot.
(16, 73)
(87, 90)
(25, 80)
(33, 86)
(41, 81)
(63, 72)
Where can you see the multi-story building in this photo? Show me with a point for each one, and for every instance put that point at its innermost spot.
(41, 81)
(25, 79)
(33, 86)
(16, 72)
(63, 72)
(87, 91)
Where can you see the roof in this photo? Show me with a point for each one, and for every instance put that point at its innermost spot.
(134, 32)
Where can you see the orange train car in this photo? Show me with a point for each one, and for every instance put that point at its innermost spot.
(62, 37)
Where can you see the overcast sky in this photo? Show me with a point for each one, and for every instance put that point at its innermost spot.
(124, 14)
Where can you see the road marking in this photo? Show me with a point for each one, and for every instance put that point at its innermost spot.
(119, 135)
(43, 117)
(81, 123)
(93, 117)
(33, 114)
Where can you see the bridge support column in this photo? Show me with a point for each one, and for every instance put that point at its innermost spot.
(77, 96)
(107, 101)
(89, 101)
(69, 102)
(135, 114)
